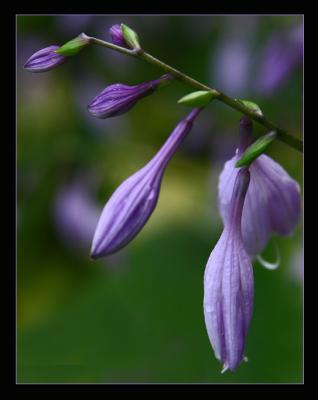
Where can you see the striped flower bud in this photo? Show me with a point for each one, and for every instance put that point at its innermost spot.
(131, 205)
(117, 35)
(44, 60)
(118, 98)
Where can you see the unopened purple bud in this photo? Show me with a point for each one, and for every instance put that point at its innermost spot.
(229, 284)
(117, 35)
(131, 205)
(44, 60)
(272, 202)
(118, 98)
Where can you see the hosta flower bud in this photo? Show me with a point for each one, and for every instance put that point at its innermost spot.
(44, 60)
(118, 98)
(117, 35)
(229, 284)
(273, 199)
(131, 205)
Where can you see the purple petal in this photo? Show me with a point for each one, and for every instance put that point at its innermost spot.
(284, 202)
(44, 60)
(272, 202)
(256, 228)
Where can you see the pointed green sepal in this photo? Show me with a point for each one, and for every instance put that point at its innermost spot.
(252, 106)
(130, 36)
(74, 46)
(199, 98)
(255, 149)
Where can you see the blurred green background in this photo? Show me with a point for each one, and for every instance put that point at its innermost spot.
(137, 316)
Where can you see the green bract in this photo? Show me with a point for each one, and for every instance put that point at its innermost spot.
(252, 106)
(130, 36)
(255, 149)
(198, 99)
(73, 46)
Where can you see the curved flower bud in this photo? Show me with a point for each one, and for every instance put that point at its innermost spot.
(44, 60)
(118, 98)
(131, 205)
(272, 202)
(117, 35)
(229, 284)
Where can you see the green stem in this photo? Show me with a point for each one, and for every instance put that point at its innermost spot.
(282, 134)
(112, 46)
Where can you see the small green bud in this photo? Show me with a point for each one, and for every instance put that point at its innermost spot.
(130, 36)
(256, 149)
(252, 106)
(74, 46)
(198, 99)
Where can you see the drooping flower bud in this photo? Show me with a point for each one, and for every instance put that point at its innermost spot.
(118, 98)
(131, 205)
(229, 284)
(117, 36)
(44, 60)
(272, 202)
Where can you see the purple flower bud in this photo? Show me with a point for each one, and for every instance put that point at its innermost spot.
(44, 60)
(130, 206)
(118, 98)
(117, 35)
(272, 202)
(229, 284)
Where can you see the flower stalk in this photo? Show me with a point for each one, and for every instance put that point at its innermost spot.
(282, 134)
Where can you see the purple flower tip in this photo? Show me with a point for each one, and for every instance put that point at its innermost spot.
(118, 98)
(117, 36)
(229, 285)
(132, 204)
(44, 60)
